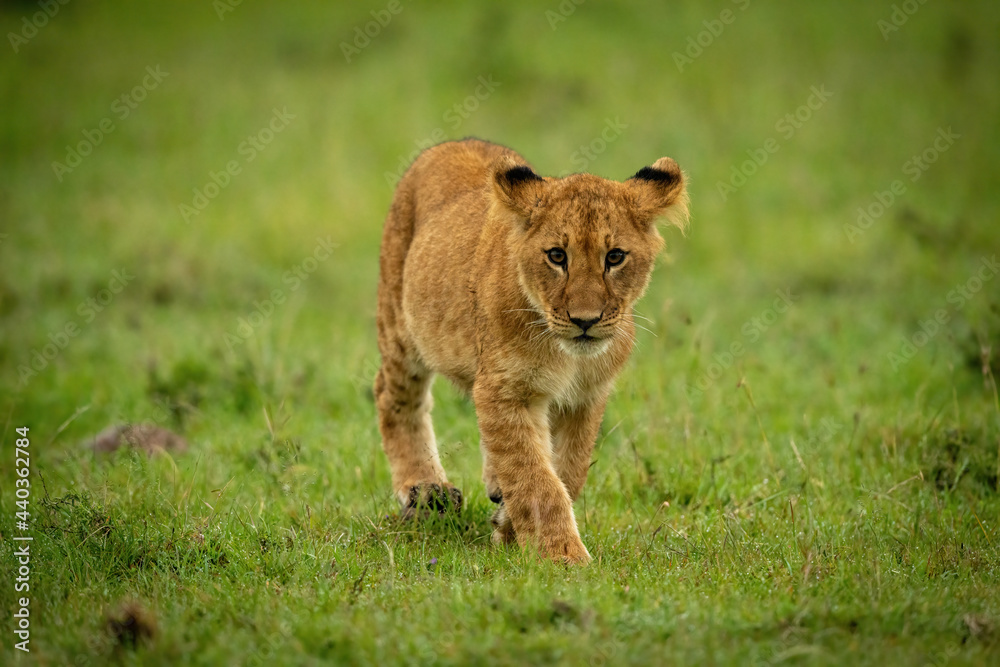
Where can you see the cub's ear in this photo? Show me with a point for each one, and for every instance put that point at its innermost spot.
(517, 187)
(660, 190)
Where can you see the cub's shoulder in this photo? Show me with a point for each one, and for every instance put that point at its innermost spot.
(449, 173)
(457, 164)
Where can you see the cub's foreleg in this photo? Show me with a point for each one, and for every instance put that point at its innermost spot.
(515, 437)
(574, 431)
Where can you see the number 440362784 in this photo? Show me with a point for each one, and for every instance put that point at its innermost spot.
(21, 467)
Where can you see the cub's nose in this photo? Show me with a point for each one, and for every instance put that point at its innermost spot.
(584, 324)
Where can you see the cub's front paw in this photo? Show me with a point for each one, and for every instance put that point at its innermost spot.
(425, 498)
(568, 549)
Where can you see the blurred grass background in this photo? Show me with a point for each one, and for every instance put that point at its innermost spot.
(284, 415)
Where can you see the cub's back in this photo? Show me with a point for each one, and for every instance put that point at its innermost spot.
(451, 175)
(447, 190)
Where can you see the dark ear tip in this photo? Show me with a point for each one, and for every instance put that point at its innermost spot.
(517, 175)
(663, 172)
(516, 185)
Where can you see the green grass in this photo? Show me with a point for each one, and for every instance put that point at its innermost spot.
(808, 500)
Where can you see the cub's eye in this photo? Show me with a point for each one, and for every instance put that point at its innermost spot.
(614, 257)
(557, 256)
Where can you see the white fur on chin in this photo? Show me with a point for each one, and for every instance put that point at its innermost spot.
(591, 348)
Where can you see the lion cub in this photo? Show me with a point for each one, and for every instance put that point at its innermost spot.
(519, 289)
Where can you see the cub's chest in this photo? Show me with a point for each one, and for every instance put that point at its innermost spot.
(574, 381)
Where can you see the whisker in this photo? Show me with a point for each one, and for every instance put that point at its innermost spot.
(539, 337)
(639, 326)
(634, 323)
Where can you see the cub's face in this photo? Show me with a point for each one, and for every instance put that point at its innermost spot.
(585, 247)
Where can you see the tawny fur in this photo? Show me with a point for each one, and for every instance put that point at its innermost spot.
(469, 289)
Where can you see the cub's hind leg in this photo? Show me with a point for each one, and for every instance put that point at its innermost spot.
(403, 384)
(403, 400)
(503, 528)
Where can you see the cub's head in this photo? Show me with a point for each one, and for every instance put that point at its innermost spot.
(585, 246)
